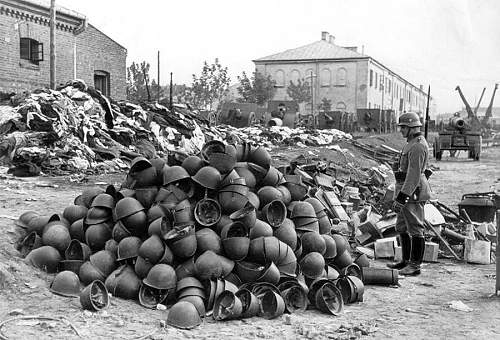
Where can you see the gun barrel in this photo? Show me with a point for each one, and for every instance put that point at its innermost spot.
(457, 123)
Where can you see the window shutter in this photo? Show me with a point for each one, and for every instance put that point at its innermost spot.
(25, 48)
(37, 52)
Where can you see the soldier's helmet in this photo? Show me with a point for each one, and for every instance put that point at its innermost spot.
(409, 119)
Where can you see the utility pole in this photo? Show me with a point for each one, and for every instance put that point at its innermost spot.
(158, 76)
(171, 104)
(52, 44)
(312, 98)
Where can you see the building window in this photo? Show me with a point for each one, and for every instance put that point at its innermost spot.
(31, 50)
(341, 106)
(101, 82)
(279, 78)
(326, 76)
(295, 76)
(341, 77)
(376, 79)
(371, 78)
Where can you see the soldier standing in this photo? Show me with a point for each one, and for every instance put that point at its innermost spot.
(411, 192)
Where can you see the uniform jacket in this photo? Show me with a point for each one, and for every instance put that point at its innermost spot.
(412, 163)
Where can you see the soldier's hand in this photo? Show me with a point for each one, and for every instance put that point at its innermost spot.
(397, 207)
(400, 202)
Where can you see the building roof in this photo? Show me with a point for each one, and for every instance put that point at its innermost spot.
(318, 50)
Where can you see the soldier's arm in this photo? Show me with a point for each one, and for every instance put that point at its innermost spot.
(416, 159)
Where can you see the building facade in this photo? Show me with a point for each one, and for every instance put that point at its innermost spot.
(348, 79)
(82, 51)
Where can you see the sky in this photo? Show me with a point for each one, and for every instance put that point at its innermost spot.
(441, 43)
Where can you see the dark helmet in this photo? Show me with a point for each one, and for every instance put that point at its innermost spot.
(312, 241)
(261, 156)
(89, 194)
(127, 206)
(128, 248)
(208, 177)
(409, 119)
(66, 283)
(104, 261)
(192, 164)
(161, 276)
(45, 257)
(104, 201)
(96, 236)
(57, 236)
(173, 174)
(207, 239)
(74, 212)
(312, 265)
(152, 249)
(183, 315)
(139, 163)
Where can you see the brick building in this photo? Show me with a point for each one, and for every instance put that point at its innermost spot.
(349, 79)
(82, 51)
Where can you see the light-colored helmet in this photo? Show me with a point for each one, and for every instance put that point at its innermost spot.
(410, 119)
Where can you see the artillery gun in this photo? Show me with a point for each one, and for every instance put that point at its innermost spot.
(460, 134)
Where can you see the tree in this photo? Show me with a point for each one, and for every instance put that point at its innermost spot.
(137, 78)
(258, 89)
(300, 92)
(210, 86)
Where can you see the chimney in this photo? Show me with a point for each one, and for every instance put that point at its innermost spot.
(421, 87)
(331, 39)
(324, 35)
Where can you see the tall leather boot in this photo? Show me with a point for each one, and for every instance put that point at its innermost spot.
(405, 241)
(417, 254)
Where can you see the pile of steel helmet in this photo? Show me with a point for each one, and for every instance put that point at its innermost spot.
(222, 233)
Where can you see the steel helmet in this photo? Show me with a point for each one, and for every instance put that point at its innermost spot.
(152, 249)
(66, 283)
(409, 119)
(45, 257)
(103, 201)
(128, 248)
(192, 164)
(183, 315)
(127, 206)
(173, 174)
(208, 177)
(74, 212)
(57, 236)
(161, 276)
(312, 265)
(104, 261)
(96, 236)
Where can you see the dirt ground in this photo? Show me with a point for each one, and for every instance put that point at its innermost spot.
(419, 308)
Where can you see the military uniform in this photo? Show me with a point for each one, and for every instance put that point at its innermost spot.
(411, 192)
(412, 183)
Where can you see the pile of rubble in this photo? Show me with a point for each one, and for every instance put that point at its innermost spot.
(222, 233)
(76, 128)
